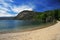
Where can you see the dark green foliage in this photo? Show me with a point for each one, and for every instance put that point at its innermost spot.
(47, 16)
(58, 14)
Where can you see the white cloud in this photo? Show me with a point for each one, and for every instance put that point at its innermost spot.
(4, 8)
(21, 8)
(4, 2)
(4, 13)
(11, 0)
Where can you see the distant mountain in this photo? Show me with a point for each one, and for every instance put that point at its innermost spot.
(6, 18)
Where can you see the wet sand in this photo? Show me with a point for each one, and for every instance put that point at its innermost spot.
(48, 33)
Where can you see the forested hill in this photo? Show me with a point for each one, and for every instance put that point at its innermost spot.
(41, 16)
(46, 16)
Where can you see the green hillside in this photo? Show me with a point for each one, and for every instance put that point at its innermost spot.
(47, 16)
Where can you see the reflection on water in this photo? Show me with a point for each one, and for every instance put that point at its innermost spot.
(6, 25)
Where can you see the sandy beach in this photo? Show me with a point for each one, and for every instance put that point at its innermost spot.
(48, 33)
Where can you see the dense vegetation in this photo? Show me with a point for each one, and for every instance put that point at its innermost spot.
(47, 16)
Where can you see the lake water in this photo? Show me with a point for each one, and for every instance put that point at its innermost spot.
(17, 25)
(9, 25)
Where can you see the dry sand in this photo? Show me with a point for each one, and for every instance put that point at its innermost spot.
(48, 33)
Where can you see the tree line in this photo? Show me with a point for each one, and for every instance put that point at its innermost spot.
(47, 16)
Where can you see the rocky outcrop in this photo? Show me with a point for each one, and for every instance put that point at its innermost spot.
(26, 15)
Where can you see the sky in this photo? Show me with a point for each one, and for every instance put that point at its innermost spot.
(11, 8)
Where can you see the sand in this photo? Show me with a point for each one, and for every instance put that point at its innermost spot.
(48, 33)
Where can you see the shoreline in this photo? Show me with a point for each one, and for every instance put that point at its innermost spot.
(30, 29)
(49, 33)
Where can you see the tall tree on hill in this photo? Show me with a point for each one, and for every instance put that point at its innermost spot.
(56, 15)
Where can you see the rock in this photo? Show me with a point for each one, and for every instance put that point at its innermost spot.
(26, 15)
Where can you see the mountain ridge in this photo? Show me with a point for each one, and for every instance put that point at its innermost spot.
(49, 15)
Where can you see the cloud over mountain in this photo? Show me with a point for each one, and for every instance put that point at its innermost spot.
(7, 8)
(13, 7)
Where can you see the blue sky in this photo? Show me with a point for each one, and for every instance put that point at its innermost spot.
(13, 7)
